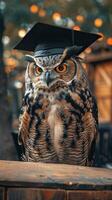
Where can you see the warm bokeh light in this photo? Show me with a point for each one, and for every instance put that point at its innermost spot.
(56, 16)
(42, 13)
(21, 33)
(109, 41)
(10, 64)
(98, 22)
(76, 28)
(34, 8)
(80, 18)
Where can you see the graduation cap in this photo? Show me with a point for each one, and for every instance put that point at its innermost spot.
(44, 40)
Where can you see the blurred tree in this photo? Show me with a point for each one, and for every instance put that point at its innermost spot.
(2, 81)
(6, 144)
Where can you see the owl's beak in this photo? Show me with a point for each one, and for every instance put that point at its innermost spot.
(48, 78)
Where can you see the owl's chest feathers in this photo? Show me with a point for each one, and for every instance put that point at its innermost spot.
(53, 111)
(56, 126)
(57, 118)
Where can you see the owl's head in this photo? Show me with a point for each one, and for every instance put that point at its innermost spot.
(52, 72)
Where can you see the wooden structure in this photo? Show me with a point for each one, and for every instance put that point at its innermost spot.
(99, 67)
(100, 73)
(41, 181)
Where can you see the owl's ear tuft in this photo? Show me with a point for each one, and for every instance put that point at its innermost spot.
(29, 58)
(70, 52)
(80, 59)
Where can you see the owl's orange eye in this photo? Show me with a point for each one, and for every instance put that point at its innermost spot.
(38, 70)
(61, 68)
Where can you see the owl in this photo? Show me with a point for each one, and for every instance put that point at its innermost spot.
(59, 120)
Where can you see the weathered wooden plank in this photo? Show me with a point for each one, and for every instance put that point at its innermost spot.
(104, 107)
(42, 175)
(1, 193)
(103, 76)
(95, 58)
(103, 90)
(89, 195)
(35, 194)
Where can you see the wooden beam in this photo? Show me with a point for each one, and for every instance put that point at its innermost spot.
(61, 176)
(99, 57)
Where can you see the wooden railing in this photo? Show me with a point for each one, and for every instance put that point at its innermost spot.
(41, 181)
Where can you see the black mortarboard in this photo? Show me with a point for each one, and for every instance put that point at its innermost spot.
(44, 39)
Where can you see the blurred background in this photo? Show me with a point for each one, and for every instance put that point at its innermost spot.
(16, 18)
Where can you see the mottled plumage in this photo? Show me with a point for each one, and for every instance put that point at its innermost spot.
(59, 118)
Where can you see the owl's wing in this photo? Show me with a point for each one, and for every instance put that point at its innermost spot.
(23, 133)
(24, 125)
(94, 134)
(89, 123)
